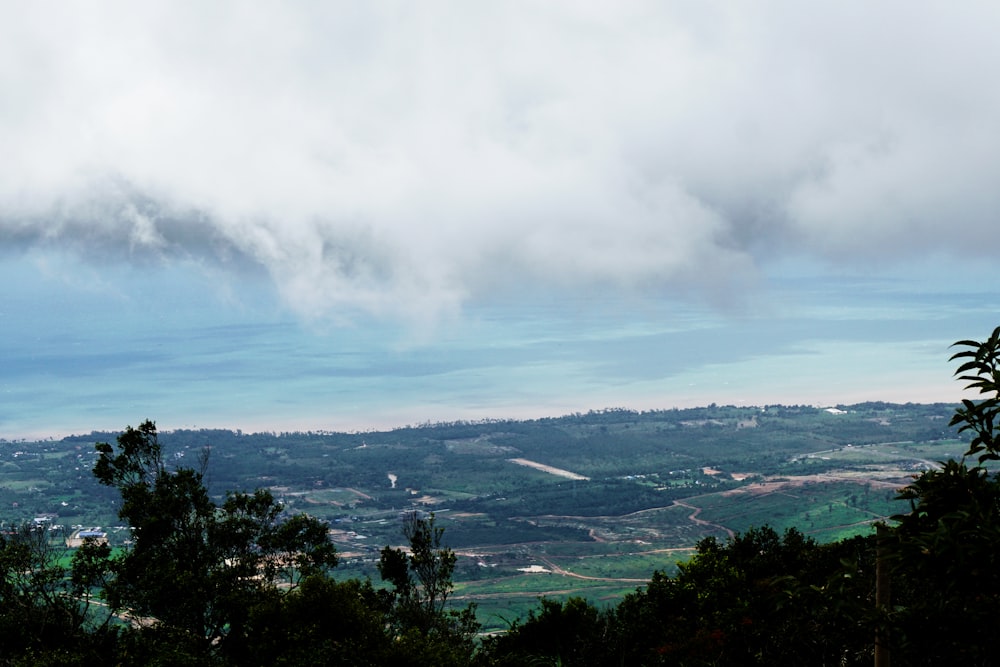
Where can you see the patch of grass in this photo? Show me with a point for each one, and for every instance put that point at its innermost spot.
(24, 485)
(822, 510)
(625, 566)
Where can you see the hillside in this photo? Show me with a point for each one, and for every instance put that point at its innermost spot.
(588, 504)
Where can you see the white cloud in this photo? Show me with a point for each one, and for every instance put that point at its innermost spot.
(403, 157)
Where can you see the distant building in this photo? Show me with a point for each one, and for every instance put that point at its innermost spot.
(78, 537)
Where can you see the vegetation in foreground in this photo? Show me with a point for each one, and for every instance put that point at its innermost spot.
(242, 583)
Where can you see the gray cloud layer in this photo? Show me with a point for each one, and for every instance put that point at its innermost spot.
(403, 157)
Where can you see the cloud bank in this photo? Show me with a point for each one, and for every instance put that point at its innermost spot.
(403, 158)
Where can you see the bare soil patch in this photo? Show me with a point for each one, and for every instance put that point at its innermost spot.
(549, 469)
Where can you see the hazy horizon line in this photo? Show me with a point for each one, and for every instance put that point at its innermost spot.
(302, 426)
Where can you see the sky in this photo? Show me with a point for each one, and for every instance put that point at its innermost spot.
(343, 216)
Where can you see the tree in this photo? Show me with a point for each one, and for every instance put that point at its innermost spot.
(321, 622)
(195, 566)
(45, 617)
(421, 583)
(760, 598)
(421, 579)
(946, 567)
(574, 632)
(982, 372)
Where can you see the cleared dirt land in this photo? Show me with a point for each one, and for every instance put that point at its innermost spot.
(549, 469)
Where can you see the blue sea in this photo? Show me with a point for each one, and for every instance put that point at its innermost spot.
(96, 348)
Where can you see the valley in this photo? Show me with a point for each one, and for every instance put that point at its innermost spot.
(587, 504)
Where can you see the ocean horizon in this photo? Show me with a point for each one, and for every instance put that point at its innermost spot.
(187, 358)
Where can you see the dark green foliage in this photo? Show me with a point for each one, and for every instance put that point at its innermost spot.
(947, 566)
(944, 552)
(758, 599)
(981, 372)
(421, 583)
(574, 632)
(322, 622)
(236, 583)
(195, 569)
(421, 579)
(90, 574)
(513, 531)
(44, 617)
